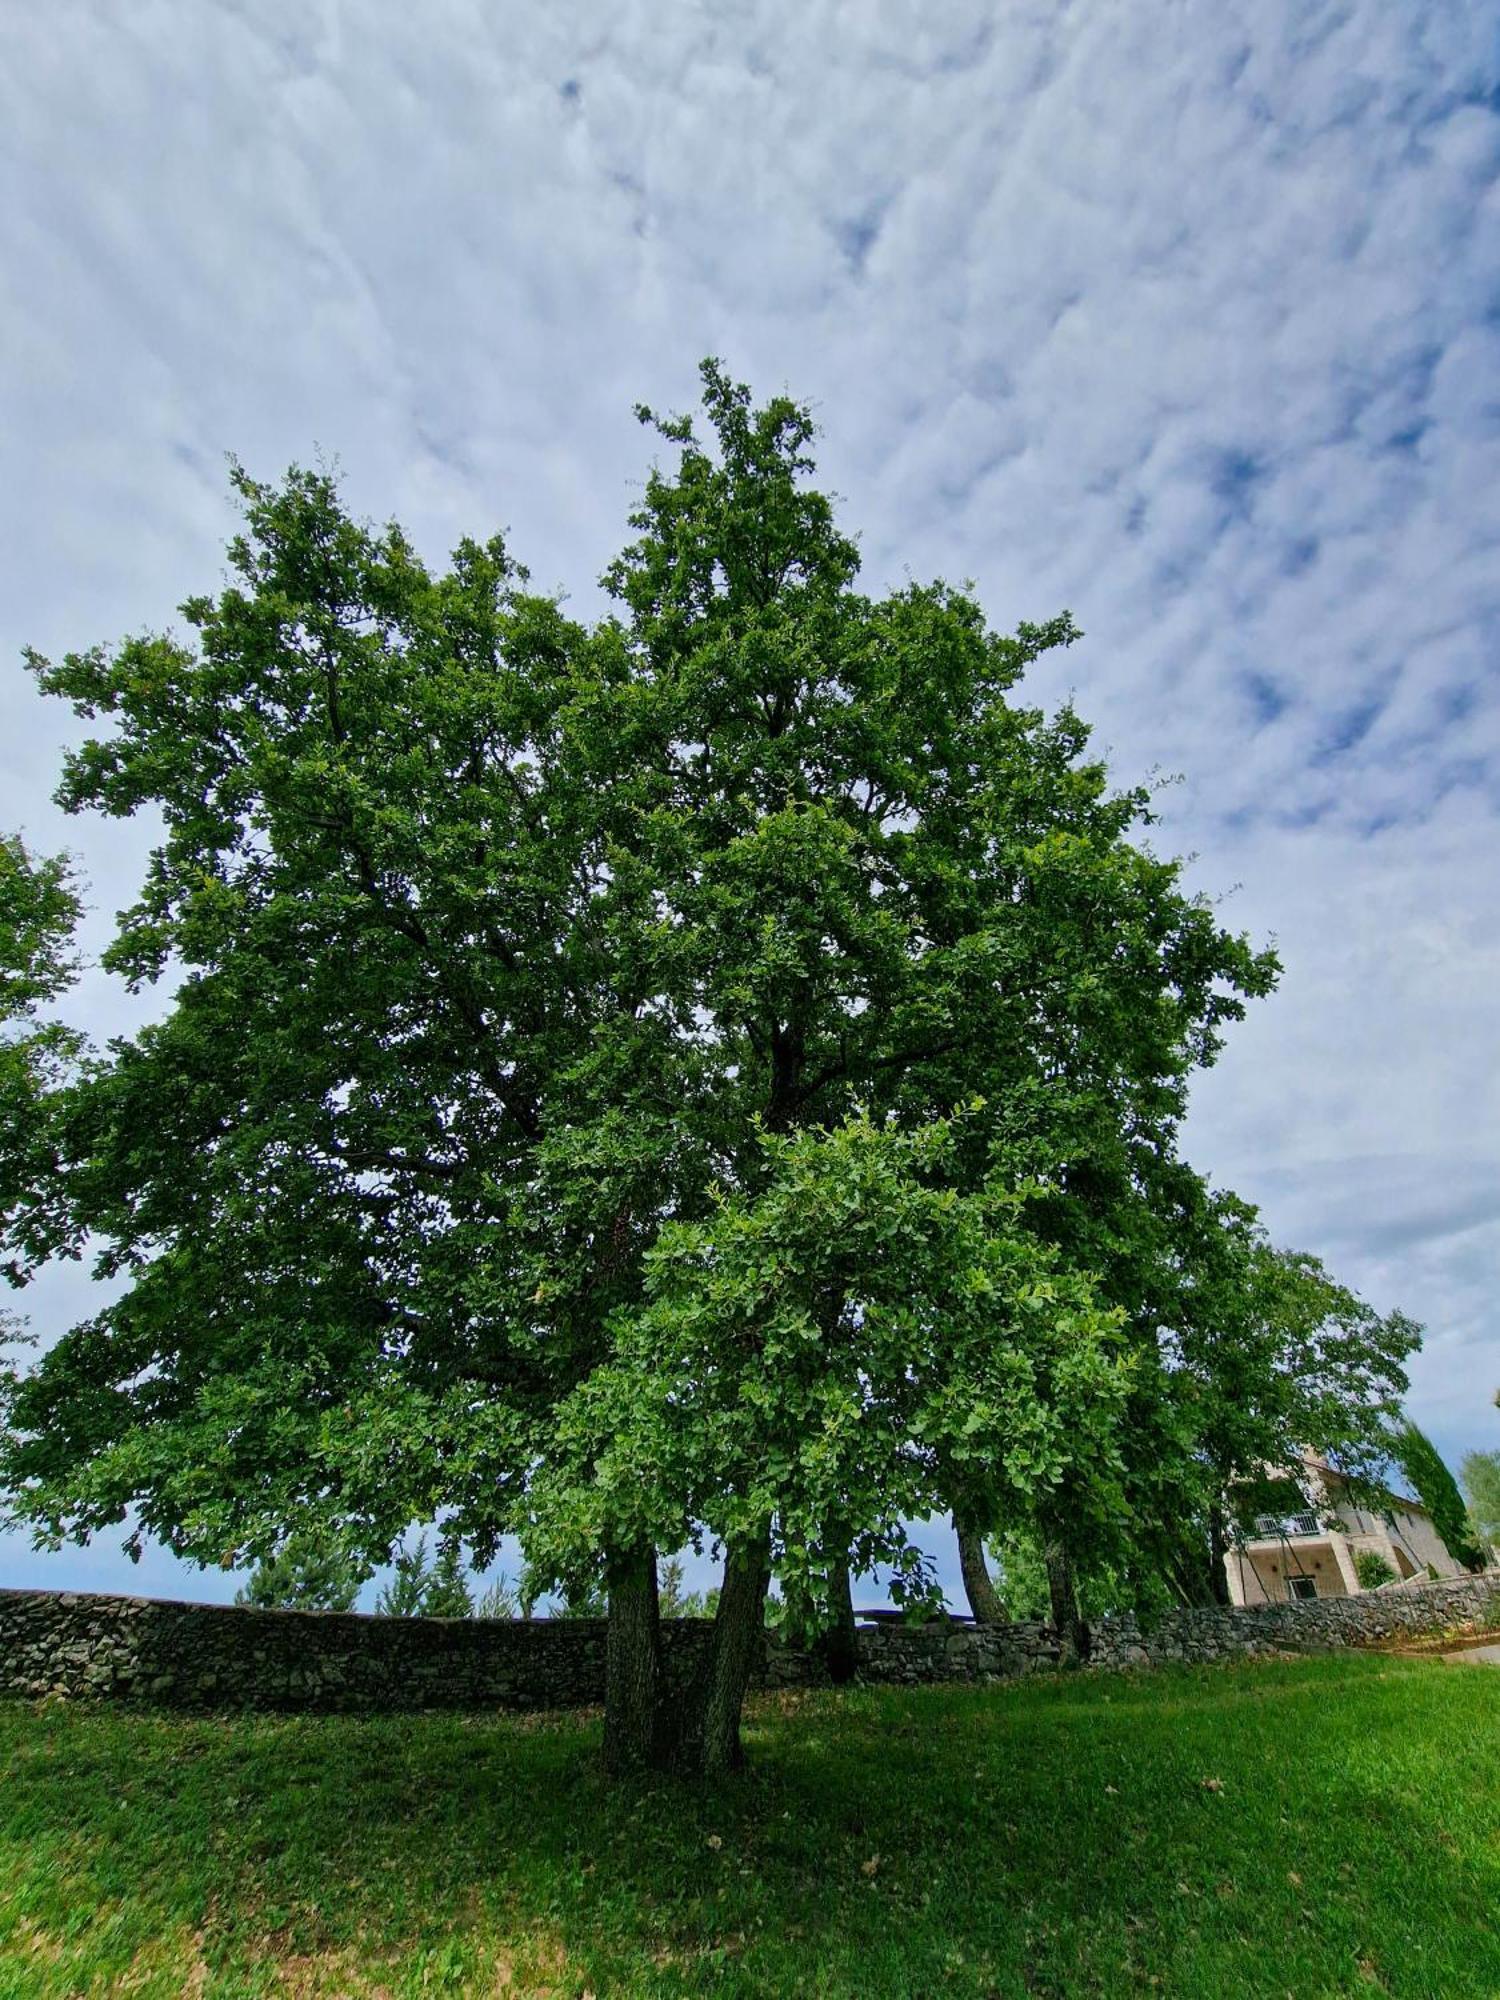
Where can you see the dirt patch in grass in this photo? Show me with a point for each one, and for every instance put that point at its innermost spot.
(1457, 1640)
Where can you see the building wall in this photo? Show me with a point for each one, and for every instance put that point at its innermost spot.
(1247, 1583)
(229, 1657)
(1403, 1534)
(1417, 1536)
(1262, 1580)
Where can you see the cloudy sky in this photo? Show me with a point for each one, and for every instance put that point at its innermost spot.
(1187, 319)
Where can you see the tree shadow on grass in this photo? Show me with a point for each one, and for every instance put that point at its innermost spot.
(1250, 1831)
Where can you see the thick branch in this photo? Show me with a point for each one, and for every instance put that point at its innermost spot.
(897, 1059)
(368, 1159)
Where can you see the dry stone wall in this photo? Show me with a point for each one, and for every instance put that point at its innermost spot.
(231, 1656)
(209, 1656)
(1372, 1619)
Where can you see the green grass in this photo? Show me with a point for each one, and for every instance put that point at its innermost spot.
(1043, 1838)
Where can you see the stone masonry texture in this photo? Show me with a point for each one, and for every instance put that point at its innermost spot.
(209, 1656)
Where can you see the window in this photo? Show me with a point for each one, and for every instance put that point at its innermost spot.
(1301, 1586)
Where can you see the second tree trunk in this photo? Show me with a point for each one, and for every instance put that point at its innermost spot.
(709, 1739)
(1072, 1633)
(839, 1652)
(984, 1600)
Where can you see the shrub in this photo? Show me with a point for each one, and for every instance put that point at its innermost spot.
(498, 1599)
(420, 1588)
(1372, 1569)
(405, 1595)
(303, 1579)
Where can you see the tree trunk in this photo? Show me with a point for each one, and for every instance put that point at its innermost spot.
(838, 1637)
(632, 1671)
(1218, 1549)
(710, 1739)
(1072, 1633)
(984, 1599)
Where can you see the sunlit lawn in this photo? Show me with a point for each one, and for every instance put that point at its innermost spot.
(1325, 1827)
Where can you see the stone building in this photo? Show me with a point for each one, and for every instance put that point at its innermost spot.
(1310, 1552)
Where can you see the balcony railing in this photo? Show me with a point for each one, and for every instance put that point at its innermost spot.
(1277, 1525)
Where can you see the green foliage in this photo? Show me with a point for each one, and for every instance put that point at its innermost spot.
(1372, 1569)
(1247, 1354)
(498, 1599)
(39, 910)
(849, 1340)
(448, 1594)
(1021, 1574)
(404, 1593)
(670, 1596)
(1316, 1366)
(1479, 1476)
(1437, 1489)
(1101, 1589)
(1040, 1838)
(582, 1597)
(300, 1578)
(305, 1168)
(428, 1587)
(531, 1588)
(675, 1602)
(713, 1072)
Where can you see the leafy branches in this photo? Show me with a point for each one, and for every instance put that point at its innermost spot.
(1438, 1492)
(714, 1073)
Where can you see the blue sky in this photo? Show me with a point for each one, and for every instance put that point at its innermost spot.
(1187, 320)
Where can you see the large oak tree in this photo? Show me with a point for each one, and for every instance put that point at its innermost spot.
(620, 1081)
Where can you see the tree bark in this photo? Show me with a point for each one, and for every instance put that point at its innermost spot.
(984, 1599)
(1218, 1549)
(710, 1741)
(633, 1738)
(838, 1638)
(1072, 1633)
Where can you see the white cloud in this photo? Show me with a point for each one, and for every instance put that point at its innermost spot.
(1185, 321)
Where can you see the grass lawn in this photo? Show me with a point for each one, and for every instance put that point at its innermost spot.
(1325, 1827)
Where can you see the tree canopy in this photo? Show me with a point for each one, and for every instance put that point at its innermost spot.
(302, 1579)
(1479, 1475)
(713, 1072)
(1437, 1489)
(39, 910)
